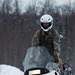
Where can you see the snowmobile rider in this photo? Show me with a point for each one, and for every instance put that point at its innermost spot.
(48, 37)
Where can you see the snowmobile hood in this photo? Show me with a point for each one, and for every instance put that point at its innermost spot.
(53, 72)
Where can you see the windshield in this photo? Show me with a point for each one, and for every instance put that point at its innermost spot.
(37, 56)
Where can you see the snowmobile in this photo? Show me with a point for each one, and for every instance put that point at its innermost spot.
(38, 61)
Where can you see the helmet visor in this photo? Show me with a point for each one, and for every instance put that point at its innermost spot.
(46, 25)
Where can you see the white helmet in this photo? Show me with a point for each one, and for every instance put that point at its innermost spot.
(46, 19)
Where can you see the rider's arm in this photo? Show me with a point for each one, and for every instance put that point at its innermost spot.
(35, 42)
(56, 42)
(35, 39)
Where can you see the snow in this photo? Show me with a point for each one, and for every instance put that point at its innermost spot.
(61, 36)
(10, 70)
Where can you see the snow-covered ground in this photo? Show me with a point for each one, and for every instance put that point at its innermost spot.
(10, 70)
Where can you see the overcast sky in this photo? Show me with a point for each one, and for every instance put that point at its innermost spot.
(24, 3)
(59, 2)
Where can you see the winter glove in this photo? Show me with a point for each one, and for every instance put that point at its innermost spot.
(60, 63)
(56, 59)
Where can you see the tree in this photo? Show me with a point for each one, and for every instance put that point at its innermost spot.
(48, 6)
(17, 10)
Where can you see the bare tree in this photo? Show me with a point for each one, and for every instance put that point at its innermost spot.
(48, 6)
(17, 10)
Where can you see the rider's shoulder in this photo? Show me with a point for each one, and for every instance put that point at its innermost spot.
(55, 31)
(36, 35)
(38, 31)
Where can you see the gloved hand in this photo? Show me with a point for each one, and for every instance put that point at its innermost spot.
(60, 63)
(56, 59)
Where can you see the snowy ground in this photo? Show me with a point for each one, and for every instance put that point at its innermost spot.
(9, 70)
